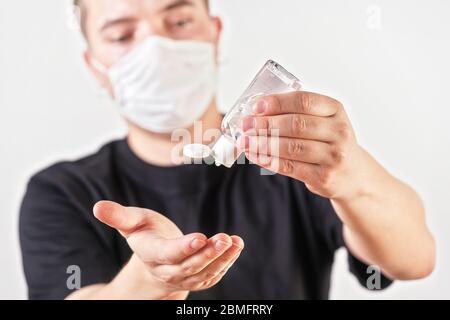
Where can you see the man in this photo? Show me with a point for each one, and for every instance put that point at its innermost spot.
(179, 230)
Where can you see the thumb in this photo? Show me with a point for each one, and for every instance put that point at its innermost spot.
(125, 219)
(129, 220)
(166, 251)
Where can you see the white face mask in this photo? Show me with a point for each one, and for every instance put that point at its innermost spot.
(164, 84)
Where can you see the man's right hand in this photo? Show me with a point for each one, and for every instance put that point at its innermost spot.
(173, 263)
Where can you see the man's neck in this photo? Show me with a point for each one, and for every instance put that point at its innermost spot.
(158, 149)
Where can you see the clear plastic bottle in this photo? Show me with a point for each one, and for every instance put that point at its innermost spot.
(271, 79)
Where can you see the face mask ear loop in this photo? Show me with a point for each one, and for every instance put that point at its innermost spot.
(103, 70)
(100, 67)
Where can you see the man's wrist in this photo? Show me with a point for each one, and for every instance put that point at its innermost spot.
(136, 282)
(361, 179)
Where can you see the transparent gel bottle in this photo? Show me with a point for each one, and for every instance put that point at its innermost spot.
(271, 79)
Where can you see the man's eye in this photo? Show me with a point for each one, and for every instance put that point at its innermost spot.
(182, 23)
(123, 38)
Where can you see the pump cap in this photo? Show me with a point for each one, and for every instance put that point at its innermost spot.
(196, 151)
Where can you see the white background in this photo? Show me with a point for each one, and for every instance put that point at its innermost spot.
(393, 77)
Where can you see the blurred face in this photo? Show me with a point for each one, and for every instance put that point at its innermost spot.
(114, 28)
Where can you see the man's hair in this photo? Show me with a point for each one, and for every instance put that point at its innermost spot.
(81, 12)
(77, 3)
(81, 15)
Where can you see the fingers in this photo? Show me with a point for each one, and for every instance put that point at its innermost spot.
(295, 169)
(214, 272)
(222, 273)
(157, 251)
(126, 220)
(291, 125)
(308, 151)
(297, 102)
(216, 247)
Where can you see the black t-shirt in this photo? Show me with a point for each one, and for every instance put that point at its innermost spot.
(290, 234)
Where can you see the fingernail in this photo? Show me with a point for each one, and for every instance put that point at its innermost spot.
(248, 123)
(197, 244)
(221, 245)
(260, 107)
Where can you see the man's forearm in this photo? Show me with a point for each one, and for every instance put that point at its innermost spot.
(132, 283)
(385, 224)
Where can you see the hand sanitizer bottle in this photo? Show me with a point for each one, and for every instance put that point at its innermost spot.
(271, 79)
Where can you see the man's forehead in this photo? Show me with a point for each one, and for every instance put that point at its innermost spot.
(103, 6)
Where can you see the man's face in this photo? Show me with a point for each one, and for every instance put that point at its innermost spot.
(114, 28)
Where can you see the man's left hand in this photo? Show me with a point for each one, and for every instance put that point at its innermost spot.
(308, 137)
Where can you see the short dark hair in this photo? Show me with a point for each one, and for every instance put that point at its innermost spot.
(77, 3)
(82, 13)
